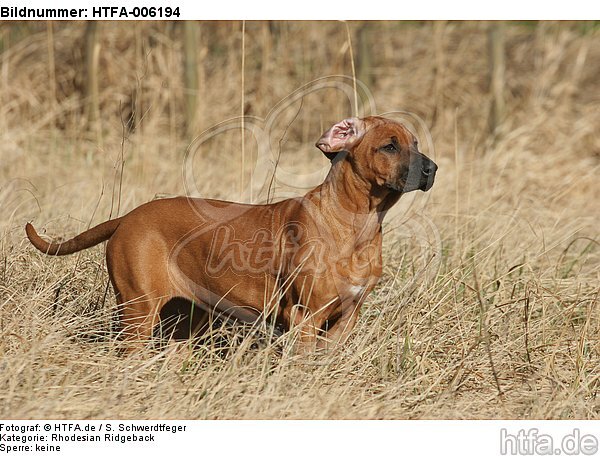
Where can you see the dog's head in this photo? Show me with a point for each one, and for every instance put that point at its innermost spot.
(381, 151)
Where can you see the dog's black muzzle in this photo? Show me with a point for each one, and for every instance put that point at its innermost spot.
(419, 175)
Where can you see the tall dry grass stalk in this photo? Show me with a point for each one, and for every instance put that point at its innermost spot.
(355, 110)
(243, 107)
(192, 62)
(497, 72)
(502, 323)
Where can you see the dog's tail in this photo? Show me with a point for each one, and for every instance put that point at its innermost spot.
(85, 240)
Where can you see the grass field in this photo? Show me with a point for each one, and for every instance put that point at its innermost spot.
(489, 303)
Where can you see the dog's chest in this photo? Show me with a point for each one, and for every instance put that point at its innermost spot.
(355, 292)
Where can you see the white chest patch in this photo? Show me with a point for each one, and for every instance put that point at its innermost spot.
(356, 290)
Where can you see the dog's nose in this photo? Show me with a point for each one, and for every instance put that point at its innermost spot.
(429, 169)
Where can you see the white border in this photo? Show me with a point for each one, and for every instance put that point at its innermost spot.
(308, 438)
(351, 9)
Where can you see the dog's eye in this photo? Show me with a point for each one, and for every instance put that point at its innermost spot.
(389, 148)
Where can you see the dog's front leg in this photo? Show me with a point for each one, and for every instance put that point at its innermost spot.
(339, 332)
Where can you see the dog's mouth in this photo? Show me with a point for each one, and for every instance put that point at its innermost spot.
(406, 187)
(427, 182)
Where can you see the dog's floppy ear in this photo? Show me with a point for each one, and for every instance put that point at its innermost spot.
(341, 137)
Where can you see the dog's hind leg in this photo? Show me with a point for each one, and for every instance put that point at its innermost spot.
(141, 285)
(137, 321)
(139, 313)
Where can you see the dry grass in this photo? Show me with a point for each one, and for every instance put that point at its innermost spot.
(505, 326)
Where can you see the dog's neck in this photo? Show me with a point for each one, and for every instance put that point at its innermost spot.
(352, 200)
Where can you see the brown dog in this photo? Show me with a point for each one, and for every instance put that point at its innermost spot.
(306, 262)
